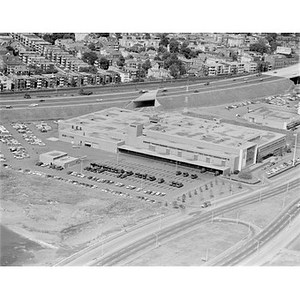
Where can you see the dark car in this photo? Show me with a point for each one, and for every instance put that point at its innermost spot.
(178, 173)
(185, 174)
(206, 83)
(27, 96)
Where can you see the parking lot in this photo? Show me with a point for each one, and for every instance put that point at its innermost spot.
(149, 180)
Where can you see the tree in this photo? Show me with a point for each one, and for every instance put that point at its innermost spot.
(104, 63)
(92, 46)
(101, 34)
(259, 47)
(89, 57)
(162, 49)
(121, 61)
(150, 48)
(164, 40)
(73, 82)
(174, 46)
(245, 175)
(187, 52)
(174, 70)
(262, 66)
(146, 65)
(147, 36)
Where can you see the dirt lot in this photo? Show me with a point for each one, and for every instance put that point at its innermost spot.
(216, 238)
(191, 249)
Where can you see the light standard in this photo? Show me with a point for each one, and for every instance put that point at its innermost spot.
(294, 157)
(160, 221)
(283, 201)
(81, 162)
(187, 84)
(117, 156)
(257, 247)
(260, 196)
(237, 216)
(290, 219)
(156, 240)
(206, 256)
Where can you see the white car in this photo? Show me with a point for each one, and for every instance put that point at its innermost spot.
(33, 105)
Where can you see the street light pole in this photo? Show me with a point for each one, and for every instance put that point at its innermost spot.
(257, 248)
(283, 201)
(117, 156)
(206, 256)
(237, 217)
(294, 157)
(290, 219)
(259, 196)
(156, 240)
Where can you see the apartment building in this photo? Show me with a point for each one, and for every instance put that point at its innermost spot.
(124, 76)
(277, 61)
(250, 67)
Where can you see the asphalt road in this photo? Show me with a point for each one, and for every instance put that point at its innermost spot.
(253, 245)
(127, 96)
(121, 249)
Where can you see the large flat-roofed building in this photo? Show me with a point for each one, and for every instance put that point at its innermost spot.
(175, 137)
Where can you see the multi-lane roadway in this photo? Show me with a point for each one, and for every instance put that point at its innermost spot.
(122, 249)
(117, 95)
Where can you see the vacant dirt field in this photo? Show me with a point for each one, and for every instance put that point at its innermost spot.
(193, 248)
(215, 238)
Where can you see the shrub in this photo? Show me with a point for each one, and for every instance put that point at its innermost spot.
(245, 175)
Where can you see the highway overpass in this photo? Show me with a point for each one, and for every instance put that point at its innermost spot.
(291, 72)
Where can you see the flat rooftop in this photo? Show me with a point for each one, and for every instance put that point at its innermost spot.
(103, 124)
(55, 153)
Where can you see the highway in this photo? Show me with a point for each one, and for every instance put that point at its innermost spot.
(127, 96)
(122, 249)
(254, 245)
